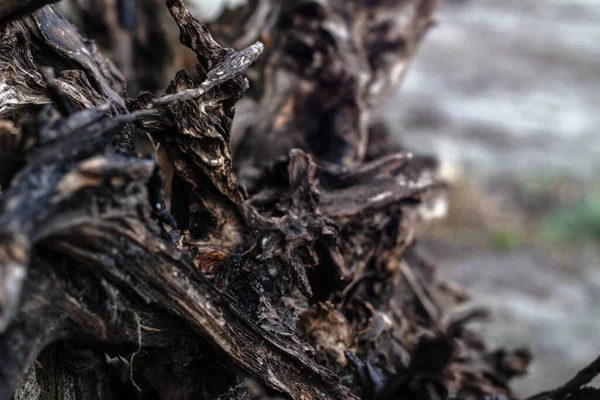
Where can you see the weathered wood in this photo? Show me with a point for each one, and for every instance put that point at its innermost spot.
(326, 65)
(286, 266)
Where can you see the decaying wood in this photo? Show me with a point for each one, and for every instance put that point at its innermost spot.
(326, 65)
(284, 267)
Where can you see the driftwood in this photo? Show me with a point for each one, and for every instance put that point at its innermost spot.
(284, 266)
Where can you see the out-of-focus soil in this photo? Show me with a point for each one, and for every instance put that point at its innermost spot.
(507, 87)
(506, 93)
(535, 301)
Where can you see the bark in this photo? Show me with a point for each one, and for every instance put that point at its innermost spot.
(284, 267)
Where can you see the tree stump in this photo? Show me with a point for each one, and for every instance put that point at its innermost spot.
(282, 262)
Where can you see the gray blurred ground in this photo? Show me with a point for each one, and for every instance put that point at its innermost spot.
(506, 93)
(507, 86)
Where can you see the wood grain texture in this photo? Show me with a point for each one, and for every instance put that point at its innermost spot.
(286, 266)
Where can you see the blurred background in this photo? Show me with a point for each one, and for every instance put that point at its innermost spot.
(505, 93)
